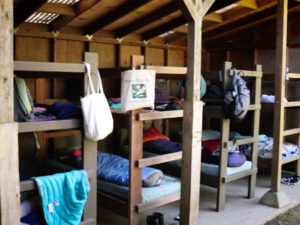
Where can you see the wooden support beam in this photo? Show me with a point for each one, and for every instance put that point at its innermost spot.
(25, 9)
(135, 153)
(251, 4)
(192, 126)
(214, 17)
(116, 14)
(280, 72)
(148, 19)
(90, 148)
(163, 28)
(206, 5)
(9, 160)
(188, 9)
(58, 8)
(80, 8)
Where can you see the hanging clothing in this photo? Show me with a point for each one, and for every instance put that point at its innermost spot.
(63, 196)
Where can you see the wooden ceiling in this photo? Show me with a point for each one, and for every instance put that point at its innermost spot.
(146, 18)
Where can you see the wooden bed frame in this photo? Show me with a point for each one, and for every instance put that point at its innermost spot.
(52, 70)
(134, 121)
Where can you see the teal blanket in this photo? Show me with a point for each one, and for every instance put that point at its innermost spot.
(63, 196)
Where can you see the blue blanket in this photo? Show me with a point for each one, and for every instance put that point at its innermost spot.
(162, 146)
(115, 169)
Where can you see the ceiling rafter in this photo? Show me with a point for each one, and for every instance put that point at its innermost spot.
(249, 21)
(148, 19)
(163, 28)
(240, 17)
(116, 14)
(220, 4)
(175, 37)
(79, 8)
(58, 8)
(25, 9)
(214, 17)
(251, 4)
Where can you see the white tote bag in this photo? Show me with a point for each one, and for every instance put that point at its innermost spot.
(97, 117)
(137, 89)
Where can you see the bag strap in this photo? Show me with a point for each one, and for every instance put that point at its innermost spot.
(100, 87)
(88, 71)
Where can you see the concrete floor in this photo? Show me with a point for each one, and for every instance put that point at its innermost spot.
(238, 209)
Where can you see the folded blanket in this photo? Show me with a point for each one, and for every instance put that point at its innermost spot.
(115, 169)
(162, 146)
(265, 146)
(65, 110)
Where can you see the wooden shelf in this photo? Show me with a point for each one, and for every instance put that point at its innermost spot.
(49, 125)
(48, 69)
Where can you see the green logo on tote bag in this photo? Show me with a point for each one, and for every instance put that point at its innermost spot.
(139, 91)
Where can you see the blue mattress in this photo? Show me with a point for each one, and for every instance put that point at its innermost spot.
(171, 186)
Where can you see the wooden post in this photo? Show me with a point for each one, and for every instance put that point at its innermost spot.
(90, 150)
(252, 178)
(136, 153)
(9, 162)
(274, 197)
(192, 125)
(280, 72)
(221, 195)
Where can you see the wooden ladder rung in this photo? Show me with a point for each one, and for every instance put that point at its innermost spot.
(294, 75)
(143, 116)
(291, 159)
(150, 161)
(65, 133)
(291, 132)
(241, 142)
(159, 202)
(292, 104)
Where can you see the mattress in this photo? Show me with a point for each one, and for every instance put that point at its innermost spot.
(171, 186)
(206, 168)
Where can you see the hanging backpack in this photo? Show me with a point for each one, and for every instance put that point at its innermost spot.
(237, 101)
(23, 104)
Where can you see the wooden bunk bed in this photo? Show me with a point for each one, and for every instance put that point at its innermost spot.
(222, 178)
(52, 70)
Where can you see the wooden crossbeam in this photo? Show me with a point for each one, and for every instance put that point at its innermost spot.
(26, 8)
(254, 18)
(206, 5)
(146, 20)
(220, 4)
(251, 4)
(116, 14)
(188, 9)
(214, 17)
(164, 28)
(174, 37)
(79, 8)
(58, 8)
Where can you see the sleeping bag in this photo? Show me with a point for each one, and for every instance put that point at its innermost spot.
(115, 169)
